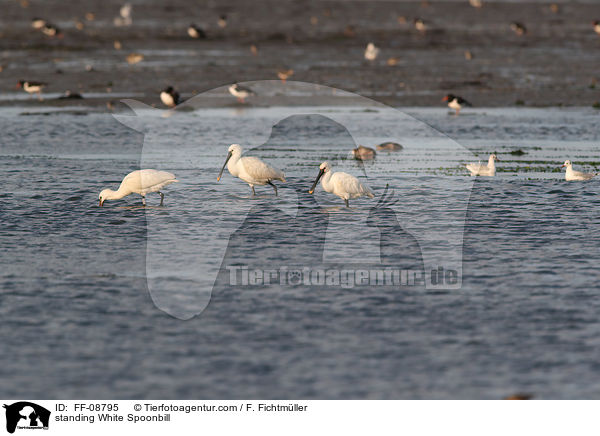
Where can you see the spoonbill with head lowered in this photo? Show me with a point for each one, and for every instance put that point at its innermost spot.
(572, 175)
(479, 169)
(250, 169)
(341, 184)
(140, 182)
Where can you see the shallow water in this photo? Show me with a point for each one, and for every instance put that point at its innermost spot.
(77, 311)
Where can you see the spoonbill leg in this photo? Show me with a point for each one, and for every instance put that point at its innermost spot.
(274, 187)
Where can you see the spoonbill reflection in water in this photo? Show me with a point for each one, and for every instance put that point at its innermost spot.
(250, 169)
(341, 184)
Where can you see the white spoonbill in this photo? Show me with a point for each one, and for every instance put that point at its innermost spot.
(140, 182)
(341, 184)
(479, 169)
(572, 175)
(250, 169)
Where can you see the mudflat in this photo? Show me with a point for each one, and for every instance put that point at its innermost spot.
(468, 51)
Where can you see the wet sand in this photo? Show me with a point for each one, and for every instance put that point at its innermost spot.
(322, 41)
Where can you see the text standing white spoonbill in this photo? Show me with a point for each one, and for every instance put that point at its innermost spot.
(341, 184)
(572, 175)
(479, 169)
(140, 182)
(250, 169)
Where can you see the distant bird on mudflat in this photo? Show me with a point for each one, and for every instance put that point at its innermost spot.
(125, 16)
(68, 95)
(420, 24)
(196, 32)
(250, 169)
(32, 87)
(285, 74)
(38, 23)
(571, 175)
(52, 31)
(455, 102)
(139, 182)
(371, 52)
(169, 97)
(363, 153)
(518, 28)
(341, 184)
(240, 92)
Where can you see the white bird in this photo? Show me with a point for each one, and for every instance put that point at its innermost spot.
(125, 10)
(169, 97)
(240, 92)
(572, 175)
(371, 52)
(140, 182)
(38, 23)
(125, 16)
(250, 169)
(479, 169)
(341, 184)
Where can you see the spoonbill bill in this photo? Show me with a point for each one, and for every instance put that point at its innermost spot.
(140, 182)
(479, 169)
(250, 169)
(341, 184)
(572, 175)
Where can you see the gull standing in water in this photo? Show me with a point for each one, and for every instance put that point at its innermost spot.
(341, 184)
(572, 175)
(250, 169)
(140, 182)
(479, 169)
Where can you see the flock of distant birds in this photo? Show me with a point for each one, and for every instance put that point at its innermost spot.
(171, 98)
(253, 170)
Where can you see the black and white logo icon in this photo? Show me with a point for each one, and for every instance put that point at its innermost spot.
(26, 415)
